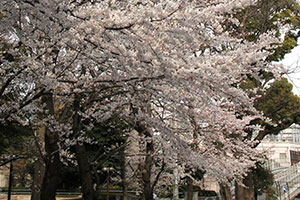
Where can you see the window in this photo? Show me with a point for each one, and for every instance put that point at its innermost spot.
(282, 156)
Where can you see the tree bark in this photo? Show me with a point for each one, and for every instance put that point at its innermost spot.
(51, 175)
(225, 193)
(189, 188)
(146, 173)
(147, 193)
(245, 192)
(239, 190)
(39, 169)
(38, 176)
(88, 191)
(123, 175)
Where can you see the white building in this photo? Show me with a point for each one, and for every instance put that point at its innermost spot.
(283, 149)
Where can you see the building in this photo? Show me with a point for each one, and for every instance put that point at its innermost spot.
(283, 149)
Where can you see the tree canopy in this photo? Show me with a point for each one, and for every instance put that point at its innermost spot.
(170, 70)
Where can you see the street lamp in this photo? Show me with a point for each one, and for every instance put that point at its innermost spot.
(107, 169)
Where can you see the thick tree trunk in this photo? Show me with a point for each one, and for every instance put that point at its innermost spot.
(239, 190)
(146, 173)
(88, 191)
(51, 175)
(225, 192)
(147, 193)
(245, 192)
(189, 188)
(39, 164)
(38, 176)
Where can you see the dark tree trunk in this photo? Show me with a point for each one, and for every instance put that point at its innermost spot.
(82, 158)
(38, 176)
(239, 190)
(225, 192)
(85, 172)
(189, 188)
(39, 165)
(247, 192)
(124, 188)
(51, 175)
(123, 175)
(147, 193)
(146, 173)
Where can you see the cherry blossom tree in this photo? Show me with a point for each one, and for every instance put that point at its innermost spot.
(167, 68)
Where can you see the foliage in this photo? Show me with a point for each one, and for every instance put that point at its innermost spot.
(109, 137)
(69, 178)
(14, 138)
(278, 102)
(289, 42)
(263, 179)
(110, 132)
(268, 16)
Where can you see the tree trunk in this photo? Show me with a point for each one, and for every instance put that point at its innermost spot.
(124, 189)
(249, 190)
(88, 191)
(146, 173)
(245, 192)
(123, 175)
(189, 188)
(38, 176)
(51, 175)
(147, 193)
(239, 190)
(225, 192)
(39, 164)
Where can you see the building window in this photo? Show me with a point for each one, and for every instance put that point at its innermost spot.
(282, 156)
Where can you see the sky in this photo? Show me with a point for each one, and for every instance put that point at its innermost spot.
(292, 62)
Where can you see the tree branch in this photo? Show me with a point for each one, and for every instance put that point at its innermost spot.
(159, 173)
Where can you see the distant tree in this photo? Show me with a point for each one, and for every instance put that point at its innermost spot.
(267, 16)
(15, 139)
(263, 180)
(279, 104)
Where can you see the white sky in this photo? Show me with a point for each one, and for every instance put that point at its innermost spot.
(292, 62)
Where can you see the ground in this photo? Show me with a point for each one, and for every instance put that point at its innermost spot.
(27, 197)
